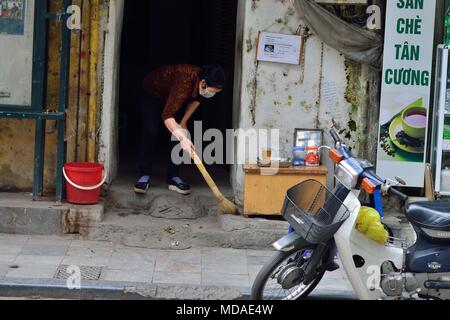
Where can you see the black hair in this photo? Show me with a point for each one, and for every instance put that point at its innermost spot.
(214, 75)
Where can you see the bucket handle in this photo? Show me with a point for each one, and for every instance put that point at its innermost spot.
(73, 184)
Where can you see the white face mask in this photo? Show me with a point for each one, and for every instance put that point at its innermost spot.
(205, 93)
(208, 95)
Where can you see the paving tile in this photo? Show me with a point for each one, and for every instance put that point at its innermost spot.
(32, 272)
(252, 278)
(226, 280)
(7, 259)
(137, 251)
(13, 239)
(253, 269)
(50, 240)
(223, 252)
(128, 276)
(220, 258)
(135, 254)
(89, 252)
(30, 261)
(334, 284)
(338, 274)
(261, 253)
(4, 269)
(10, 250)
(188, 256)
(86, 261)
(44, 250)
(229, 268)
(92, 244)
(168, 253)
(177, 278)
(124, 262)
(257, 260)
(163, 265)
(191, 252)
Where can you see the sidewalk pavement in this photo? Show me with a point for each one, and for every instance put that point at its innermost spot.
(30, 265)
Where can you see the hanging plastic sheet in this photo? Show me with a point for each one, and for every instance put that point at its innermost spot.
(353, 42)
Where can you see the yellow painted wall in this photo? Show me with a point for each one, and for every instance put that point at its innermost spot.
(16, 154)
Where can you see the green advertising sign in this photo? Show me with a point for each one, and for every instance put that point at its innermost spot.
(406, 89)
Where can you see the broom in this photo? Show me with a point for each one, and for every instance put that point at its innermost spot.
(225, 205)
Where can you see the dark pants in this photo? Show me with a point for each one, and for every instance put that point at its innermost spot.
(151, 109)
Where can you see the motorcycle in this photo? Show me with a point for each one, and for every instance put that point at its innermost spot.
(323, 222)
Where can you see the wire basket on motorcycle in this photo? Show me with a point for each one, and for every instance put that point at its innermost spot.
(314, 212)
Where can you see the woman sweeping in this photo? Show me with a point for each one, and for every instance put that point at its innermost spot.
(171, 96)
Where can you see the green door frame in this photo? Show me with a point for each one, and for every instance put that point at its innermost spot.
(37, 111)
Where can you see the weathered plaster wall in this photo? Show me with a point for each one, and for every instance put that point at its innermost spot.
(109, 120)
(286, 97)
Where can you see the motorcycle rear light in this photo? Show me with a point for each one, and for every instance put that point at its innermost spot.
(368, 186)
(336, 156)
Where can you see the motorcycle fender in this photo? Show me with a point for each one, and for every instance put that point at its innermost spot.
(290, 242)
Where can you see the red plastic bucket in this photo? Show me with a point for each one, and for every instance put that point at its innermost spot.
(84, 181)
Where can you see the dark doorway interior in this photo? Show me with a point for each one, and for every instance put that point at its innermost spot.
(158, 33)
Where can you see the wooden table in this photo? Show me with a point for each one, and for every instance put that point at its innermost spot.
(265, 188)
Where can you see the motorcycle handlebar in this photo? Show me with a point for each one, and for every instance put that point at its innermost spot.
(335, 135)
(394, 192)
(391, 191)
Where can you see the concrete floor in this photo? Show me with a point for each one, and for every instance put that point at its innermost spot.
(128, 174)
(162, 219)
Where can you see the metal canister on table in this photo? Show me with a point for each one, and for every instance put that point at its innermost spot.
(312, 157)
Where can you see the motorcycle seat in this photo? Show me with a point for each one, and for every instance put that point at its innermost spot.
(433, 215)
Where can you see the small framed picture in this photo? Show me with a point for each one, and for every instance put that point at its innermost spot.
(308, 138)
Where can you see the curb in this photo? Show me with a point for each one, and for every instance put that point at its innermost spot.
(56, 289)
(95, 290)
(105, 290)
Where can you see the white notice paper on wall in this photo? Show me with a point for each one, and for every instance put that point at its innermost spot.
(281, 48)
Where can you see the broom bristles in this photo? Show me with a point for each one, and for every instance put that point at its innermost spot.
(225, 205)
(228, 207)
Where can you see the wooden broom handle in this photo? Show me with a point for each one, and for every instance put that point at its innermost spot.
(206, 175)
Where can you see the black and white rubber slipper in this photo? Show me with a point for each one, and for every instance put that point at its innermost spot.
(177, 185)
(141, 187)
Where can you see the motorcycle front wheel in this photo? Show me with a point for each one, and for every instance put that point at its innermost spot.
(268, 284)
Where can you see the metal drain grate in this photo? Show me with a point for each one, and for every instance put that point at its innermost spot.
(87, 273)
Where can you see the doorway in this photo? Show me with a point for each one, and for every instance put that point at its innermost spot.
(157, 33)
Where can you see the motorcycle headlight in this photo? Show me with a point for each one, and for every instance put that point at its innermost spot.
(346, 175)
